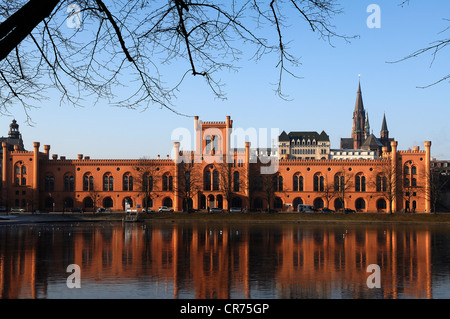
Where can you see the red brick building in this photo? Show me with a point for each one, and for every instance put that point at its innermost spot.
(214, 175)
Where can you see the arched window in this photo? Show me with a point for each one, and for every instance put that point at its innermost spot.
(147, 183)
(20, 174)
(108, 182)
(69, 183)
(318, 183)
(381, 183)
(339, 182)
(127, 182)
(280, 183)
(297, 182)
(207, 180)
(167, 182)
(49, 183)
(413, 170)
(360, 183)
(406, 170)
(215, 181)
(236, 181)
(88, 182)
(208, 144)
(413, 182)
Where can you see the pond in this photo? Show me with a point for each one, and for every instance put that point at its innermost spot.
(224, 260)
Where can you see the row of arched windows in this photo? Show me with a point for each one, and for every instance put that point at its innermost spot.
(108, 182)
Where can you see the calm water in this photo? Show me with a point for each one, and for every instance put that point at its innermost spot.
(203, 260)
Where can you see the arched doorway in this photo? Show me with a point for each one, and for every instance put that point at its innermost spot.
(257, 203)
(236, 202)
(127, 200)
(360, 205)
(219, 200)
(203, 202)
(318, 203)
(381, 205)
(49, 202)
(68, 203)
(278, 203)
(211, 201)
(88, 202)
(108, 202)
(297, 201)
(337, 204)
(167, 202)
(187, 204)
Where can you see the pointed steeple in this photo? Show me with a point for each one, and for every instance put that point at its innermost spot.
(384, 134)
(359, 120)
(359, 106)
(367, 126)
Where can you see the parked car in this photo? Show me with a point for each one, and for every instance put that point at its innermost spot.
(100, 210)
(17, 210)
(327, 210)
(348, 210)
(148, 210)
(301, 208)
(216, 210)
(163, 209)
(2, 209)
(236, 210)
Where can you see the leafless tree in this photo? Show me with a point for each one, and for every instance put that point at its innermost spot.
(437, 182)
(343, 182)
(117, 50)
(433, 48)
(147, 179)
(328, 191)
(228, 184)
(190, 183)
(387, 181)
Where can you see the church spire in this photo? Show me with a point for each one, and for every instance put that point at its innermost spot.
(384, 134)
(359, 120)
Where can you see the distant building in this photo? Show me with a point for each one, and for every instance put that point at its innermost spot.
(346, 154)
(361, 138)
(303, 145)
(14, 137)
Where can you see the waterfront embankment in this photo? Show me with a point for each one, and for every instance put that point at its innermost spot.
(405, 218)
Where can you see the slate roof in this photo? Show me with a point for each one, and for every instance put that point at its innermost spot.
(306, 135)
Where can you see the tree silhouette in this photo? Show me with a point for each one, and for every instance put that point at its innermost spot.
(118, 48)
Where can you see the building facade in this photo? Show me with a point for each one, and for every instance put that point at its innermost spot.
(303, 145)
(213, 175)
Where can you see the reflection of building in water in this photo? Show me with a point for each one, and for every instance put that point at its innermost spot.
(317, 263)
(222, 261)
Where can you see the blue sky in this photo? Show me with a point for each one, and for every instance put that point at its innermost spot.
(323, 99)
